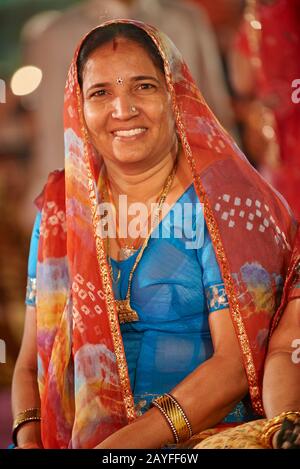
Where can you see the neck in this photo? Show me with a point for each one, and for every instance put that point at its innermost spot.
(140, 183)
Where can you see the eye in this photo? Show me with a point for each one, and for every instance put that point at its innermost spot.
(102, 92)
(146, 87)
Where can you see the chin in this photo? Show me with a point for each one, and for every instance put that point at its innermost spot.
(130, 158)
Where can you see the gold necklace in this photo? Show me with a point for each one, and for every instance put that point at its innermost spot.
(125, 312)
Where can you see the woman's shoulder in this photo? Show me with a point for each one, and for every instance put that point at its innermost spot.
(54, 189)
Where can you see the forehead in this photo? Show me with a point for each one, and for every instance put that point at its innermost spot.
(121, 56)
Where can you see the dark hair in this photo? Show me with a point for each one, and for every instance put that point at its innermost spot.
(103, 35)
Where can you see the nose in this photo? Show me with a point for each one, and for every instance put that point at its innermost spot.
(123, 108)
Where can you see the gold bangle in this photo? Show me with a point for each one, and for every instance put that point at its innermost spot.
(274, 424)
(28, 415)
(175, 416)
(187, 428)
(156, 403)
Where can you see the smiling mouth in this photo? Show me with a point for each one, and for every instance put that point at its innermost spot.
(129, 133)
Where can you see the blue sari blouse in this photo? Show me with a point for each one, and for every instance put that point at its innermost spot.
(175, 287)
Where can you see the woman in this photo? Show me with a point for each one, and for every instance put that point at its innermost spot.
(121, 321)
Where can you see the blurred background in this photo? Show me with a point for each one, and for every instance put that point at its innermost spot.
(244, 55)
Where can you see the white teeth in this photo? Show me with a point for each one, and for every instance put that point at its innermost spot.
(128, 133)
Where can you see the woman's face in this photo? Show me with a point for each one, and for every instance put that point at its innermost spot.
(127, 107)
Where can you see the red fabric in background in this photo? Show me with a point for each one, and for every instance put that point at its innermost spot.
(279, 52)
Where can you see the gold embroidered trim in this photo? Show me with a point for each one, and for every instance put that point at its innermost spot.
(109, 296)
(219, 249)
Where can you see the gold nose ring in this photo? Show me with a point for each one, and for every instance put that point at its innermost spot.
(133, 109)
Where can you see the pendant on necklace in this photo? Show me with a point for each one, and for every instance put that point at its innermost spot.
(126, 252)
(125, 311)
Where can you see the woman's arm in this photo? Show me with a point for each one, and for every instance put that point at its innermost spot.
(207, 395)
(281, 383)
(25, 393)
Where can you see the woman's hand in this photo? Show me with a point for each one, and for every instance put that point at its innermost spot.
(150, 430)
(288, 437)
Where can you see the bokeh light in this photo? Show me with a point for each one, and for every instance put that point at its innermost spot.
(26, 80)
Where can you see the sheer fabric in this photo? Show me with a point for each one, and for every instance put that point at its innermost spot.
(174, 290)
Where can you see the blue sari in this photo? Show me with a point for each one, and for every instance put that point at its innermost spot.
(175, 288)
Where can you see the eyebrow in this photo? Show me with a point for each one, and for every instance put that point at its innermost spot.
(137, 78)
(145, 77)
